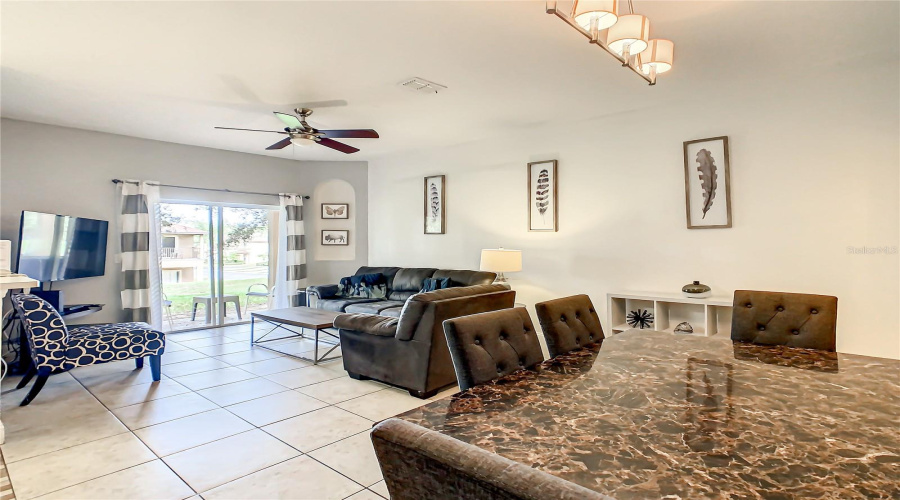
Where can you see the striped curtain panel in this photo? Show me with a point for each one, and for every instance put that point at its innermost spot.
(291, 252)
(139, 251)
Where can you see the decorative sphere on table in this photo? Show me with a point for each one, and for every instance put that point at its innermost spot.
(696, 290)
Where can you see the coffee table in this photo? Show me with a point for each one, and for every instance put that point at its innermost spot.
(319, 320)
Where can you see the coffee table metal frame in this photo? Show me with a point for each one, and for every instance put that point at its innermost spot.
(294, 333)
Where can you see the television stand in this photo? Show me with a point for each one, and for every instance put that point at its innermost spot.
(79, 310)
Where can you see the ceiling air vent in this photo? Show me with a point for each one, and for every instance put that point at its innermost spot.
(422, 85)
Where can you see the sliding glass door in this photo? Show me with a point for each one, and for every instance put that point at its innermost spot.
(215, 263)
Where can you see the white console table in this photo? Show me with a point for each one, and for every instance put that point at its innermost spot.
(707, 316)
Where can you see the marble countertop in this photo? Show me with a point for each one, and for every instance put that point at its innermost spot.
(649, 414)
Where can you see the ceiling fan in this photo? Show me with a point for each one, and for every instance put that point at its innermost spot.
(302, 134)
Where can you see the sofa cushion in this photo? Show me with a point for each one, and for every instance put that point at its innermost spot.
(415, 307)
(393, 312)
(465, 278)
(408, 281)
(338, 305)
(373, 307)
(367, 323)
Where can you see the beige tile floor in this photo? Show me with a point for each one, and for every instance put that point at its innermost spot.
(227, 421)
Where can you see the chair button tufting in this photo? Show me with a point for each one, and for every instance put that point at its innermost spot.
(779, 309)
(761, 328)
(499, 370)
(577, 315)
(591, 310)
(477, 342)
(814, 311)
(562, 318)
(590, 337)
(795, 332)
(749, 306)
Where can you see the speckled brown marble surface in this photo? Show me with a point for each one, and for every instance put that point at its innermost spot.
(652, 415)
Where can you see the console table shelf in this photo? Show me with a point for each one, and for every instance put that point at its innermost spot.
(707, 316)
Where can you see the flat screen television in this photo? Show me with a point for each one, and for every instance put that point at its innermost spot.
(60, 247)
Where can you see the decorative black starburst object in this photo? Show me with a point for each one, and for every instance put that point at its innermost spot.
(641, 318)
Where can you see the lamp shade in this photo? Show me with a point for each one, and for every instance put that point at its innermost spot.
(501, 260)
(660, 53)
(606, 12)
(631, 30)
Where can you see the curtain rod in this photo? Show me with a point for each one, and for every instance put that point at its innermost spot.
(120, 181)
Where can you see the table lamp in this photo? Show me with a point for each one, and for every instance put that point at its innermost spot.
(501, 260)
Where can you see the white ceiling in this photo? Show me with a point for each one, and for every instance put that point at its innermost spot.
(171, 71)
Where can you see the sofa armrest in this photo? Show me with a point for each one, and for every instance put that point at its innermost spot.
(323, 291)
(382, 326)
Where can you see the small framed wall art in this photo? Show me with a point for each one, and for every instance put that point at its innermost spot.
(543, 199)
(435, 205)
(707, 183)
(332, 237)
(335, 210)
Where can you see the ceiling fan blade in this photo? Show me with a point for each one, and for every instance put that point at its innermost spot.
(334, 103)
(253, 130)
(281, 144)
(290, 120)
(340, 146)
(351, 134)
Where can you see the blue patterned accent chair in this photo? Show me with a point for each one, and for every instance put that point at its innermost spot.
(54, 348)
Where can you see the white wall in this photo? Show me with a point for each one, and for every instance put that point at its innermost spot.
(815, 169)
(68, 171)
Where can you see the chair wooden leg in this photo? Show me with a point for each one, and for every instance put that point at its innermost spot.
(32, 371)
(35, 389)
(155, 365)
(139, 363)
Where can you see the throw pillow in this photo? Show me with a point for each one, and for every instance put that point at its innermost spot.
(367, 286)
(432, 284)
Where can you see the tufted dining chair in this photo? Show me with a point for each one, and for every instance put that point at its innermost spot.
(489, 345)
(789, 319)
(569, 323)
(55, 348)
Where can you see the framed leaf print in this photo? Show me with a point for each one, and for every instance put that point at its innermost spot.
(543, 204)
(435, 209)
(707, 183)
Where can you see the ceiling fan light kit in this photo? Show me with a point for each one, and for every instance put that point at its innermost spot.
(621, 33)
(300, 133)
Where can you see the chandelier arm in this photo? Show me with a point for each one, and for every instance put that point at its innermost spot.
(551, 8)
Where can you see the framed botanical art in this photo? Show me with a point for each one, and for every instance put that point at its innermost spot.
(543, 199)
(435, 206)
(335, 210)
(707, 183)
(332, 237)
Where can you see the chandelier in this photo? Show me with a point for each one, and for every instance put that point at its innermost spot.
(624, 35)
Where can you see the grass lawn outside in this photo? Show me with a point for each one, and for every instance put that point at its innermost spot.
(182, 294)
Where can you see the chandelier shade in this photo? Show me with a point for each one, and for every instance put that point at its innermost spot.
(606, 12)
(631, 31)
(659, 54)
